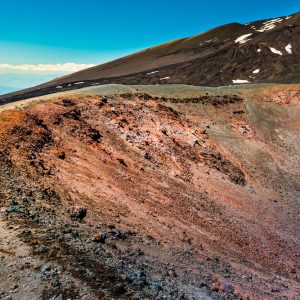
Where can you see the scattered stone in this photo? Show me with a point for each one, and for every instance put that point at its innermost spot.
(122, 162)
(118, 234)
(165, 132)
(43, 249)
(68, 102)
(14, 209)
(216, 286)
(172, 273)
(95, 135)
(120, 288)
(100, 238)
(45, 269)
(147, 155)
(79, 213)
(57, 297)
(228, 287)
(61, 154)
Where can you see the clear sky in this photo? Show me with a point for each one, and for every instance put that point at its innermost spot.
(93, 31)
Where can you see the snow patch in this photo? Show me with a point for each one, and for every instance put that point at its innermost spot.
(154, 72)
(268, 25)
(288, 17)
(240, 81)
(59, 87)
(243, 39)
(258, 50)
(256, 71)
(211, 40)
(81, 82)
(275, 51)
(165, 78)
(288, 49)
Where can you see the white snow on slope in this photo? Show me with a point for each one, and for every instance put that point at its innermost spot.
(258, 50)
(59, 87)
(165, 78)
(243, 39)
(240, 81)
(288, 17)
(152, 72)
(268, 25)
(256, 71)
(82, 82)
(288, 49)
(275, 51)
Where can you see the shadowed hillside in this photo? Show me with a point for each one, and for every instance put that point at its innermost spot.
(263, 51)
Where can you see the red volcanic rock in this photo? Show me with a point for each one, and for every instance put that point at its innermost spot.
(228, 287)
(127, 202)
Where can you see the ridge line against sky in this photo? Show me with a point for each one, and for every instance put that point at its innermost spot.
(48, 39)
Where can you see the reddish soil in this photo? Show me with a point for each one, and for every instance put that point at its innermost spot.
(141, 197)
(279, 94)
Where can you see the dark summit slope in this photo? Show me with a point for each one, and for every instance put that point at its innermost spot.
(262, 51)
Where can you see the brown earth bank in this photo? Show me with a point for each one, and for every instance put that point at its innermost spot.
(139, 196)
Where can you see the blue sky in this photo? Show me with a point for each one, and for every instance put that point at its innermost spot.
(95, 31)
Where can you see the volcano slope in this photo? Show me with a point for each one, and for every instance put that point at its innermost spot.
(139, 195)
(266, 51)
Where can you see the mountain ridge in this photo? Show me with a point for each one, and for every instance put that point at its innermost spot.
(212, 58)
